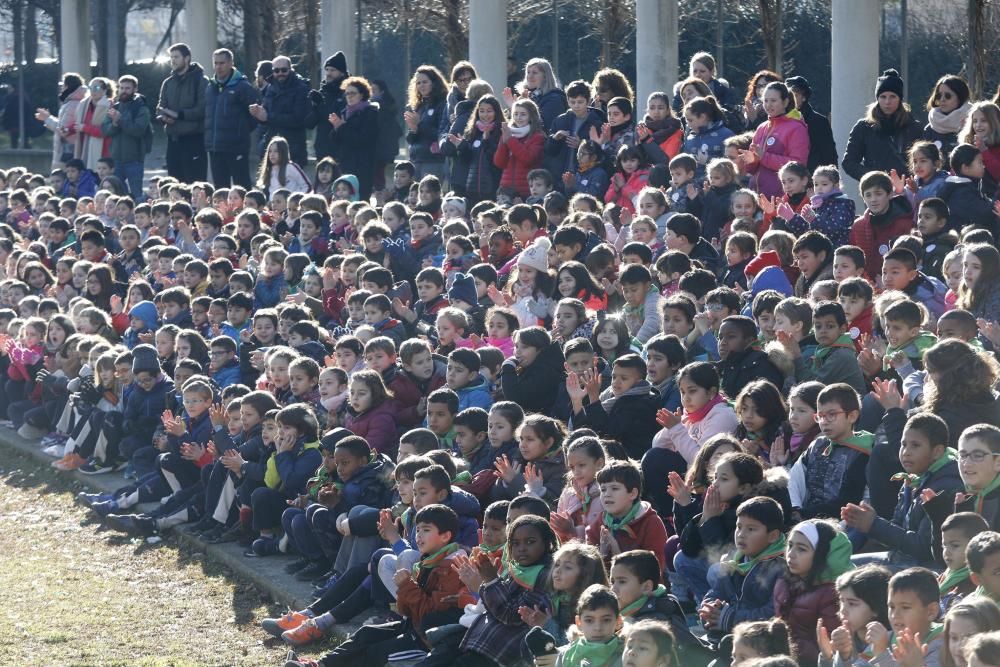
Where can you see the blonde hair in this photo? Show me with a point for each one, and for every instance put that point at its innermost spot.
(992, 113)
(549, 80)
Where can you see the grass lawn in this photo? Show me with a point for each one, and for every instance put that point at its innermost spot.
(72, 593)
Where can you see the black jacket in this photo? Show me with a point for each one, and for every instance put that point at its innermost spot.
(459, 163)
(740, 368)
(228, 122)
(482, 177)
(423, 141)
(289, 113)
(185, 94)
(822, 146)
(631, 421)
(559, 157)
(534, 387)
(352, 145)
(870, 148)
(389, 129)
(967, 205)
(333, 102)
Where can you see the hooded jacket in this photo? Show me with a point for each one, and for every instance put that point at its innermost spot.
(145, 311)
(377, 425)
(130, 134)
(534, 387)
(294, 467)
(228, 122)
(706, 144)
(476, 394)
(144, 409)
(552, 467)
(835, 213)
(407, 390)
(185, 94)
(716, 209)
(747, 597)
(372, 486)
(800, 609)
(550, 106)
(482, 175)
(967, 205)
(631, 419)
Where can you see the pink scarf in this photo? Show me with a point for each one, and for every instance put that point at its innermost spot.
(702, 412)
(352, 109)
(484, 127)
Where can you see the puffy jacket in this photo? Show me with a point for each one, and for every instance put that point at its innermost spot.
(377, 426)
(822, 146)
(687, 437)
(832, 479)
(550, 105)
(740, 368)
(705, 144)
(352, 144)
(747, 598)
(482, 176)
(593, 182)
(228, 122)
(873, 232)
(333, 102)
(930, 292)
(517, 157)
(967, 205)
(289, 113)
(560, 157)
(475, 395)
(629, 192)
(835, 213)
(130, 133)
(534, 387)
(784, 139)
(371, 486)
(872, 148)
(185, 94)
(228, 374)
(631, 420)
(800, 609)
(296, 466)
(646, 531)
(423, 141)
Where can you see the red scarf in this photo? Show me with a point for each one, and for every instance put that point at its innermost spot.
(699, 414)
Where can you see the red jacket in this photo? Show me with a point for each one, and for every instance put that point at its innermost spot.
(876, 239)
(801, 610)
(415, 600)
(645, 532)
(863, 324)
(991, 158)
(517, 157)
(633, 186)
(407, 392)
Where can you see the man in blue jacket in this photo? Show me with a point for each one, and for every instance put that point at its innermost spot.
(286, 110)
(228, 122)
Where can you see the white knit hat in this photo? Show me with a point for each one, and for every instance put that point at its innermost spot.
(536, 255)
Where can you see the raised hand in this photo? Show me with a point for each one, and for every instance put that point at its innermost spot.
(562, 524)
(787, 341)
(842, 640)
(574, 387)
(860, 517)
(217, 413)
(192, 451)
(468, 573)
(808, 213)
(506, 470)
(779, 452)
(533, 616)
(116, 304)
(767, 204)
(668, 419)
(909, 651)
(713, 505)
(533, 479)
(989, 329)
(886, 394)
(608, 544)
(677, 489)
(877, 636)
(898, 182)
(823, 641)
(785, 211)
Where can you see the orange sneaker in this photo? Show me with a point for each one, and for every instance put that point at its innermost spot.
(71, 461)
(306, 633)
(290, 621)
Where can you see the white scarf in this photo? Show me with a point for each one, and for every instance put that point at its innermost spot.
(948, 123)
(519, 132)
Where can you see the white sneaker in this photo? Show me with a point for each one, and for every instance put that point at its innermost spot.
(54, 450)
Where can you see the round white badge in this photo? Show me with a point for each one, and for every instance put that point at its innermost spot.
(930, 248)
(770, 141)
(477, 143)
(855, 332)
(883, 250)
(430, 112)
(676, 196)
(584, 181)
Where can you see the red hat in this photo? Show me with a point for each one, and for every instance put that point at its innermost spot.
(761, 262)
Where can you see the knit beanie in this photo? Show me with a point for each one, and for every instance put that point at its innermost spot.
(455, 201)
(464, 289)
(801, 84)
(338, 60)
(145, 360)
(889, 82)
(536, 255)
(761, 262)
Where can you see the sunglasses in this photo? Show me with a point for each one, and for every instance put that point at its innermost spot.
(946, 96)
(279, 70)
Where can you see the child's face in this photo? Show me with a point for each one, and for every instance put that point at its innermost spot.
(743, 653)
(853, 306)
(643, 233)
(537, 187)
(989, 577)
(898, 333)
(977, 464)
(744, 207)
(328, 384)
(679, 177)
(373, 244)
(526, 546)
(928, 222)
(752, 536)
(425, 494)
(876, 199)
(498, 327)
(792, 184)
(917, 452)
(808, 262)
(264, 329)
(827, 330)
(617, 498)
(356, 311)
(751, 417)
(907, 612)
(404, 485)
(765, 323)
(374, 315)
(835, 422)
(953, 543)
(531, 446)
(198, 315)
(129, 241)
(269, 432)
(427, 290)
(626, 585)
(675, 242)
(822, 185)
(635, 293)
(583, 468)
(732, 340)
(195, 404)
(468, 440)
(693, 396)
(499, 430)
(494, 532)
(896, 275)
(953, 275)
(278, 370)
(249, 418)
(235, 422)
(623, 379)
(191, 279)
(458, 376)
(972, 267)
(421, 365)
(379, 360)
(360, 397)
(675, 321)
(607, 337)
(346, 358)
(658, 368)
(166, 264)
(597, 625)
(439, 419)
(300, 382)
(799, 554)
(801, 416)
(726, 481)
(844, 268)
(346, 464)
(974, 169)
(430, 539)
(401, 178)
(447, 333)
(734, 255)
(216, 315)
(854, 610)
(783, 324)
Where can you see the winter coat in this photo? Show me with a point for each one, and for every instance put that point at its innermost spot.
(560, 157)
(516, 158)
(746, 598)
(740, 368)
(841, 365)
(804, 285)
(268, 292)
(936, 248)
(801, 608)
(940, 508)
(631, 421)
(720, 88)
(459, 163)
(431, 592)
(716, 209)
(185, 94)
(572, 505)
(295, 467)
(228, 122)
(423, 142)
(822, 146)
(930, 292)
(875, 234)
(407, 391)
(643, 323)
(534, 387)
(835, 213)
(482, 176)
(552, 468)
(592, 182)
(85, 186)
(371, 486)
(550, 106)
(130, 134)
(967, 205)
(65, 120)
(499, 633)
(475, 395)
(228, 374)
(984, 409)
(687, 437)
(872, 148)
(90, 141)
(646, 531)
(626, 196)
(351, 145)
(784, 139)
(832, 479)
(377, 426)
(332, 102)
(289, 114)
(705, 252)
(705, 144)
(389, 130)
(406, 259)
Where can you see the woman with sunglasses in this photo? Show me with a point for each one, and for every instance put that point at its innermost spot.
(947, 108)
(91, 144)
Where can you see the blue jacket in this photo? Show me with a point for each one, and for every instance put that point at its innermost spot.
(559, 157)
(228, 122)
(433, 121)
(705, 144)
(550, 105)
(199, 430)
(267, 291)
(371, 486)
(475, 395)
(835, 214)
(228, 374)
(747, 598)
(86, 186)
(930, 292)
(295, 467)
(594, 182)
(144, 409)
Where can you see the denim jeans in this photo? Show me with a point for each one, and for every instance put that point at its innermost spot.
(131, 175)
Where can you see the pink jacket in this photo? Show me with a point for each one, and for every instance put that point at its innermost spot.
(686, 438)
(505, 345)
(624, 197)
(784, 139)
(571, 505)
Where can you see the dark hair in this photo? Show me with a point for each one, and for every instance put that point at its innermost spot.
(436, 475)
(767, 399)
(536, 337)
(957, 85)
(745, 324)
(765, 510)
(726, 296)
(981, 547)
(531, 504)
(856, 254)
(467, 358)
(970, 523)
(643, 251)
(686, 225)
(440, 516)
(626, 473)
(624, 338)
(765, 302)
(702, 373)
(856, 287)
(919, 580)
(870, 584)
(682, 303)
(597, 596)
(905, 311)
(814, 242)
(541, 524)
(444, 396)
(830, 309)
(585, 280)
(904, 256)
(409, 468)
(841, 393)
(300, 416)
(938, 206)
(932, 426)
(766, 638)
(474, 419)
(497, 511)
(642, 563)
(783, 91)
(633, 361)
(423, 440)
(669, 346)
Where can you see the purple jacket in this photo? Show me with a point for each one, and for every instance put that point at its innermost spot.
(784, 139)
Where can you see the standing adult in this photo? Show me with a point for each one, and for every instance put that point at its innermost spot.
(947, 109)
(608, 84)
(462, 75)
(822, 146)
(389, 130)
(426, 115)
(181, 109)
(702, 66)
(541, 86)
(285, 109)
(335, 72)
(262, 77)
(228, 121)
(753, 102)
(128, 124)
(782, 139)
(355, 133)
(881, 140)
(91, 144)
(63, 125)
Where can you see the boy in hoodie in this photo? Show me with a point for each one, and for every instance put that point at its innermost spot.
(814, 258)
(928, 463)
(346, 188)
(899, 272)
(741, 359)
(743, 588)
(224, 365)
(464, 379)
(142, 319)
(303, 337)
(886, 218)
(627, 522)
(937, 238)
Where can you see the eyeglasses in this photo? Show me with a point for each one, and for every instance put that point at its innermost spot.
(977, 456)
(463, 79)
(351, 93)
(828, 416)
(281, 70)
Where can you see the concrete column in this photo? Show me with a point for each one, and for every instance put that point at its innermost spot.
(74, 40)
(338, 20)
(202, 33)
(656, 53)
(488, 41)
(854, 68)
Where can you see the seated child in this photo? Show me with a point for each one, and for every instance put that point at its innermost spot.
(834, 358)
(855, 297)
(741, 358)
(887, 217)
(753, 640)
(763, 415)
(848, 262)
(664, 358)
(899, 272)
(378, 314)
(463, 377)
(814, 258)
(741, 247)
(442, 406)
(983, 556)
(598, 644)
(863, 595)
(636, 579)
(650, 644)
(829, 210)
(955, 583)
(580, 502)
(642, 300)
(539, 466)
(937, 237)
(684, 234)
(627, 522)
(470, 426)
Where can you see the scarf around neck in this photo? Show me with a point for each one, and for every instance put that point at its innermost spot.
(637, 604)
(614, 525)
(430, 561)
(948, 123)
(774, 550)
(596, 654)
(861, 441)
(608, 399)
(915, 481)
(352, 109)
(949, 579)
(823, 351)
(696, 416)
(484, 127)
(525, 576)
(980, 496)
(520, 132)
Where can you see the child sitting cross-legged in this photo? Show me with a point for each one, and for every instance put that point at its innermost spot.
(598, 643)
(628, 522)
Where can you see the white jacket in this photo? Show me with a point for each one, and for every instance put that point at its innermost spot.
(686, 437)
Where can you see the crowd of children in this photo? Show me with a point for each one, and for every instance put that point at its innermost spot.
(633, 393)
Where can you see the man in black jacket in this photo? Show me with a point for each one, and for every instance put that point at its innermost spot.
(228, 121)
(822, 146)
(335, 69)
(182, 110)
(286, 110)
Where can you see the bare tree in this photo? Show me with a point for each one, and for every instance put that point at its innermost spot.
(977, 52)
(771, 29)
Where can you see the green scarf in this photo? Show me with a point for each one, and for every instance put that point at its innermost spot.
(557, 600)
(597, 654)
(984, 593)
(640, 602)
(861, 441)
(640, 310)
(775, 549)
(920, 344)
(949, 579)
(525, 576)
(489, 550)
(431, 561)
(464, 477)
(823, 351)
(980, 496)
(915, 481)
(615, 525)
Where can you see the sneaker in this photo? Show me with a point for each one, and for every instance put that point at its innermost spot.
(55, 450)
(6, 423)
(311, 571)
(290, 621)
(29, 432)
(297, 566)
(204, 525)
(265, 546)
(88, 499)
(54, 439)
(306, 633)
(227, 535)
(95, 467)
(133, 524)
(320, 590)
(105, 507)
(71, 461)
(212, 535)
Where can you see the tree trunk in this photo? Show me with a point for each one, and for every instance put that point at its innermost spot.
(30, 33)
(456, 42)
(977, 53)
(770, 28)
(17, 25)
(904, 46)
(251, 34)
(312, 59)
